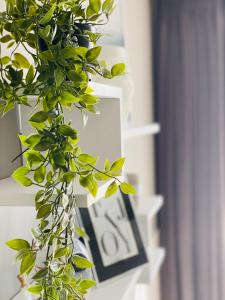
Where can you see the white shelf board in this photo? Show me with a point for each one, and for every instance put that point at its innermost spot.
(136, 132)
(124, 286)
(156, 259)
(105, 91)
(119, 288)
(13, 194)
(148, 208)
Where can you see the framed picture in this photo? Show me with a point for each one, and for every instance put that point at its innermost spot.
(115, 241)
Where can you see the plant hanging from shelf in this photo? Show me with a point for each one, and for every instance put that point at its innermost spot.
(55, 68)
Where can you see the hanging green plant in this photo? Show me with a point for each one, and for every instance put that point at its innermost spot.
(55, 67)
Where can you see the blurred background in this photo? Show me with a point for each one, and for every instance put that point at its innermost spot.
(175, 52)
(173, 116)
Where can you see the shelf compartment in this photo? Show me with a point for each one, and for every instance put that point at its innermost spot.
(101, 137)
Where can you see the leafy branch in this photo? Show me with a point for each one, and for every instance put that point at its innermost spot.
(56, 69)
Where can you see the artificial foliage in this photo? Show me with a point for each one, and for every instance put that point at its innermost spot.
(58, 74)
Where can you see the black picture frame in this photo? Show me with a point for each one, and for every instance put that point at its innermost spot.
(105, 273)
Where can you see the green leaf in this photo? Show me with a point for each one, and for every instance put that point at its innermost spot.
(95, 5)
(21, 171)
(59, 159)
(18, 244)
(20, 5)
(81, 52)
(4, 60)
(44, 144)
(46, 55)
(35, 289)
(81, 232)
(118, 69)
(101, 177)
(31, 140)
(69, 52)
(107, 165)
(48, 16)
(6, 38)
(22, 61)
(30, 75)
(39, 117)
(59, 77)
(40, 274)
(10, 44)
(75, 76)
(93, 54)
(118, 164)
(25, 181)
(34, 158)
(19, 176)
(82, 263)
(39, 195)
(44, 211)
(93, 187)
(68, 177)
(45, 33)
(111, 190)
(23, 139)
(108, 6)
(27, 263)
(67, 97)
(89, 12)
(16, 64)
(21, 253)
(87, 284)
(87, 159)
(39, 174)
(89, 99)
(66, 130)
(85, 181)
(62, 252)
(127, 188)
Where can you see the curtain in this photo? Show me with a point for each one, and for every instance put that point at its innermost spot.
(189, 91)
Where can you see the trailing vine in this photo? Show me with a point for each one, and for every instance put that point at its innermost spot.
(55, 69)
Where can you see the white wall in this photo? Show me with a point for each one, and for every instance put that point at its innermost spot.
(14, 223)
(138, 43)
(140, 152)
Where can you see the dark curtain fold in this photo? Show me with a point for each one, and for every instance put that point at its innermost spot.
(190, 101)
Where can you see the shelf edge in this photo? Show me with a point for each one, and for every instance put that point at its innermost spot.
(132, 133)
